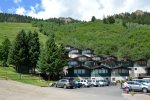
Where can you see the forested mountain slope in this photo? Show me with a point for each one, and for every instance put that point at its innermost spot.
(131, 40)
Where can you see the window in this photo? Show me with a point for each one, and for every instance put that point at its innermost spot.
(96, 58)
(79, 71)
(96, 71)
(75, 71)
(130, 82)
(63, 80)
(119, 70)
(72, 63)
(123, 71)
(106, 70)
(86, 52)
(89, 63)
(83, 71)
(82, 58)
(103, 70)
(100, 71)
(113, 79)
(74, 52)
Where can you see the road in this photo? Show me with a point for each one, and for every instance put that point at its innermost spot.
(11, 90)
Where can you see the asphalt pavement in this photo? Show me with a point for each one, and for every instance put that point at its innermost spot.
(11, 90)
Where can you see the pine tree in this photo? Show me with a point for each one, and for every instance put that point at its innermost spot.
(93, 18)
(105, 21)
(18, 55)
(111, 19)
(4, 51)
(46, 63)
(34, 49)
(60, 60)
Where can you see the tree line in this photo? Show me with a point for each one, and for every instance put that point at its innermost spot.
(5, 17)
(25, 54)
(138, 16)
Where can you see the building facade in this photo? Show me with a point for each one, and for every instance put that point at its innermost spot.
(84, 64)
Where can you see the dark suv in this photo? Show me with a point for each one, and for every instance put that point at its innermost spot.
(65, 83)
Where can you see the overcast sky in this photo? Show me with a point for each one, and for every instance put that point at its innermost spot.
(78, 9)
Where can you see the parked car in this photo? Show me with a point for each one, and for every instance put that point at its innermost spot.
(136, 86)
(65, 83)
(94, 83)
(106, 83)
(102, 83)
(144, 81)
(84, 83)
(77, 84)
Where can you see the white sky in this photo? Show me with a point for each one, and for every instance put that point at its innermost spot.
(83, 9)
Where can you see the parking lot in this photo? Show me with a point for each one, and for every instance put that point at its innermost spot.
(106, 92)
(11, 90)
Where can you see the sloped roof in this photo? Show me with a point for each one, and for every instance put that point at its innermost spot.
(101, 66)
(117, 67)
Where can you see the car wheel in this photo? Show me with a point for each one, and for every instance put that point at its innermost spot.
(84, 85)
(65, 87)
(144, 90)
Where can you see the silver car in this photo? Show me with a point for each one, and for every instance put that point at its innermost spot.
(144, 81)
(137, 86)
(102, 83)
(65, 83)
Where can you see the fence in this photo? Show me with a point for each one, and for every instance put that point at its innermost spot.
(19, 76)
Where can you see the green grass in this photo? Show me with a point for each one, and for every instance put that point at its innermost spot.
(10, 30)
(11, 74)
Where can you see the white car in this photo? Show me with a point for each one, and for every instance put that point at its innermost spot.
(94, 83)
(85, 83)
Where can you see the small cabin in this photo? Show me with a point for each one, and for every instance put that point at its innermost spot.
(73, 62)
(111, 57)
(140, 63)
(97, 58)
(90, 63)
(101, 72)
(125, 63)
(119, 73)
(88, 52)
(73, 53)
(109, 63)
(83, 58)
(68, 48)
(79, 71)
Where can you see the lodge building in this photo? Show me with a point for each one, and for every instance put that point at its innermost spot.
(85, 64)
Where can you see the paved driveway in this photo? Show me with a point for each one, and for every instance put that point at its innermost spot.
(101, 93)
(11, 90)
